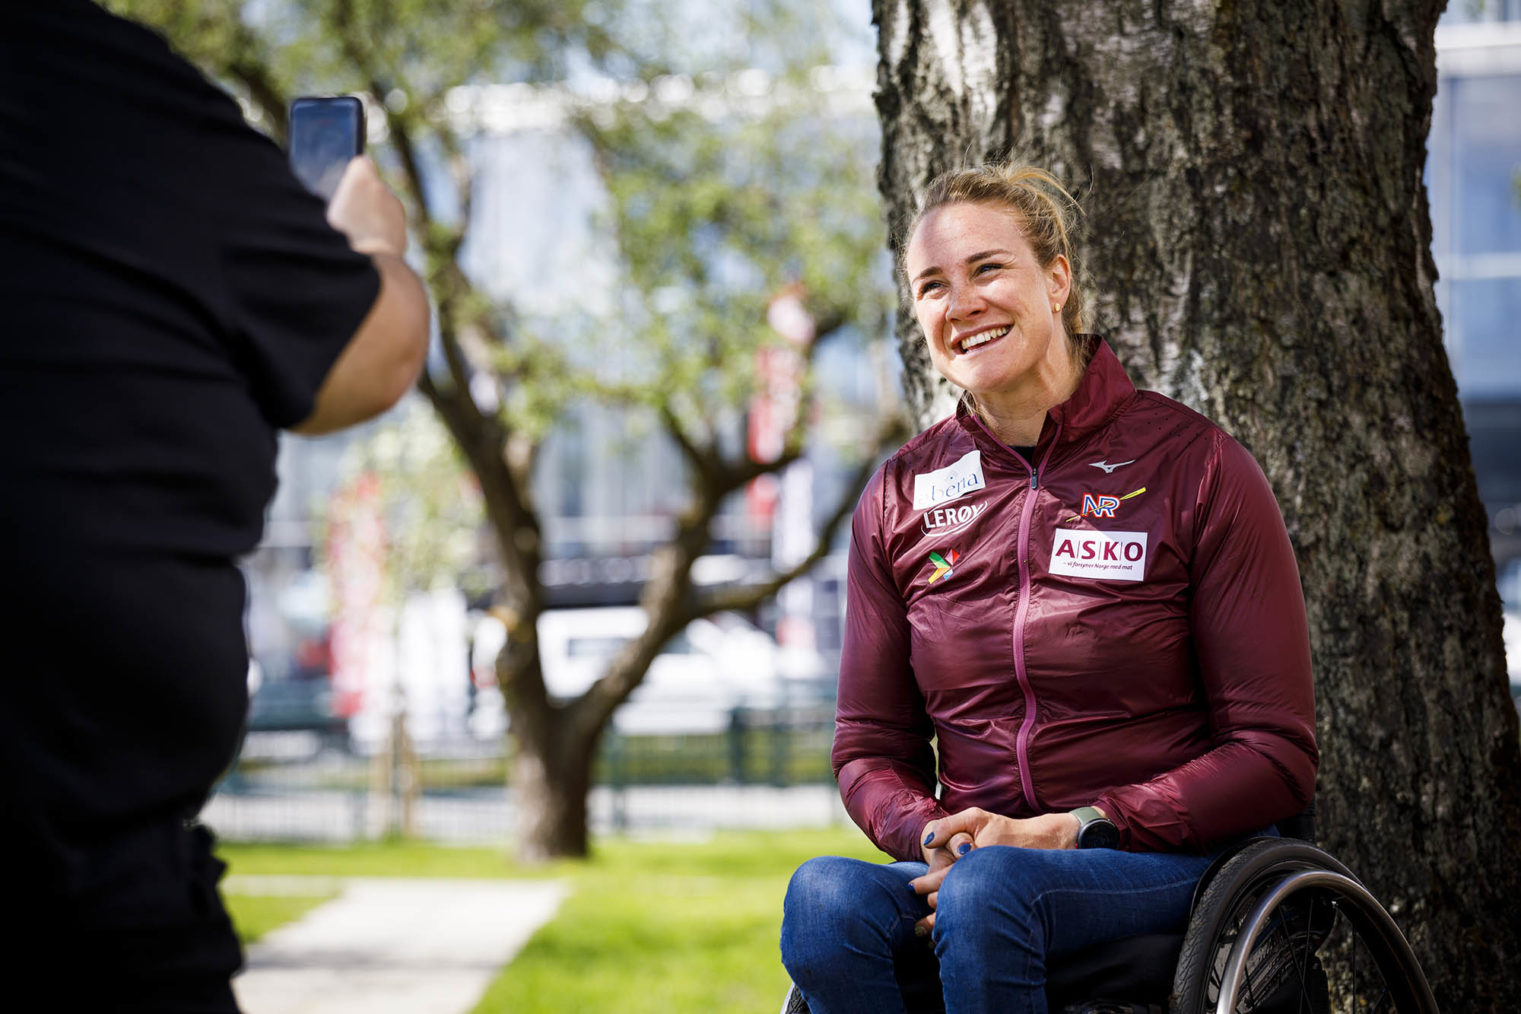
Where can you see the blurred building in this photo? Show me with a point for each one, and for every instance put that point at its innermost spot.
(609, 495)
(608, 489)
(1473, 178)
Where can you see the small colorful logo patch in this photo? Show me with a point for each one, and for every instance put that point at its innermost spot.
(944, 565)
(1100, 505)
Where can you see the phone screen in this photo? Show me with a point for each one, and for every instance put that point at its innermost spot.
(325, 133)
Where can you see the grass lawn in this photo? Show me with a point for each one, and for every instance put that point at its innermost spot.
(255, 915)
(668, 928)
(648, 926)
(372, 859)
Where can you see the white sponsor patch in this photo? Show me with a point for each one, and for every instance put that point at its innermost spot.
(950, 520)
(949, 483)
(1105, 556)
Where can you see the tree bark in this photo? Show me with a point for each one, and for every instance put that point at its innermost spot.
(553, 750)
(550, 781)
(1257, 246)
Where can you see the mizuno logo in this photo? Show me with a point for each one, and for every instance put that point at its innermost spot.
(1108, 468)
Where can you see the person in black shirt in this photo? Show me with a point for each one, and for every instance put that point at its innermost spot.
(170, 298)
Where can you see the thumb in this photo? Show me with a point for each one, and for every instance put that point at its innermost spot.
(366, 211)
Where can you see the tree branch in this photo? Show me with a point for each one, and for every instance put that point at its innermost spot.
(264, 92)
(483, 441)
(891, 431)
(464, 182)
(359, 53)
(700, 458)
(401, 140)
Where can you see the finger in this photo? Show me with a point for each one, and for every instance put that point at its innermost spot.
(939, 832)
(960, 844)
(929, 882)
(928, 838)
(925, 926)
(967, 821)
(357, 174)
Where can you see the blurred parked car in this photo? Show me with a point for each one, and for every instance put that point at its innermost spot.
(699, 678)
(292, 705)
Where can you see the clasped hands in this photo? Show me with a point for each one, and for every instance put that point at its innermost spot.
(949, 838)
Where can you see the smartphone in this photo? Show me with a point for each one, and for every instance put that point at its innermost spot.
(326, 131)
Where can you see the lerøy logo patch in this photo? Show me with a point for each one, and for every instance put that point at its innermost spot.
(1104, 556)
(949, 483)
(944, 566)
(950, 520)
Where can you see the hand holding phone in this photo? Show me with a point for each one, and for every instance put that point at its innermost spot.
(326, 133)
(367, 213)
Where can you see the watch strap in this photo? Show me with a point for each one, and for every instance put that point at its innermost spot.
(1087, 814)
(1094, 830)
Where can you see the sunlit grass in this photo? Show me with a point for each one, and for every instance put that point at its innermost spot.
(647, 925)
(371, 859)
(666, 929)
(255, 915)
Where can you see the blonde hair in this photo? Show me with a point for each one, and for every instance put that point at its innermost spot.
(1046, 209)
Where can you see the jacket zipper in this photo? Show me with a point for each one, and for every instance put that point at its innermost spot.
(1021, 612)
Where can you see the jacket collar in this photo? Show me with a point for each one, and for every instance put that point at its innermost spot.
(1103, 393)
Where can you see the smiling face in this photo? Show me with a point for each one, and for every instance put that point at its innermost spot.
(990, 313)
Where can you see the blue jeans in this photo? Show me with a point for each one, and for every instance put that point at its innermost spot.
(848, 926)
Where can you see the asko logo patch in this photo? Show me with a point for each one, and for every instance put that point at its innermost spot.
(1104, 556)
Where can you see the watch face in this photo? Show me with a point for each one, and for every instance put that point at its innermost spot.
(1098, 834)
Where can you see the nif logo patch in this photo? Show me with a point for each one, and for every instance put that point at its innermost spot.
(1103, 556)
(944, 565)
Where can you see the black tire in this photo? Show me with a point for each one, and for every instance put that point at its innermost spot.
(1316, 941)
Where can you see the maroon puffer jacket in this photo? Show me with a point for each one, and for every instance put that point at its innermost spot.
(1120, 625)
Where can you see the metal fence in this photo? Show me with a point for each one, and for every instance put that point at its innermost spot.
(766, 769)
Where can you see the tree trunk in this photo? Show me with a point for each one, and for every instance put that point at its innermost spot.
(550, 763)
(1257, 246)
(550, 781)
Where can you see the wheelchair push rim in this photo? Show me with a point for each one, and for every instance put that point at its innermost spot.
(1287, 929)
(1404, 983)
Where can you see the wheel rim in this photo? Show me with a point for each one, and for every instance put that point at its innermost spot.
(1314, 941)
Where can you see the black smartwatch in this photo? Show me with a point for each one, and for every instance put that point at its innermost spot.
(1094, 830)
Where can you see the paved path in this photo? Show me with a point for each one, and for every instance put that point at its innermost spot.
(390, 945)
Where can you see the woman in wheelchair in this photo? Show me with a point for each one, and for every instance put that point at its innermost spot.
(1074, 606)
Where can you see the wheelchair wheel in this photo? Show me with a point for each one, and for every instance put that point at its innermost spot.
(1284, 928)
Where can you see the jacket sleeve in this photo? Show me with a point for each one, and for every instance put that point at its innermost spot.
(1252, 652)
(882, 757)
